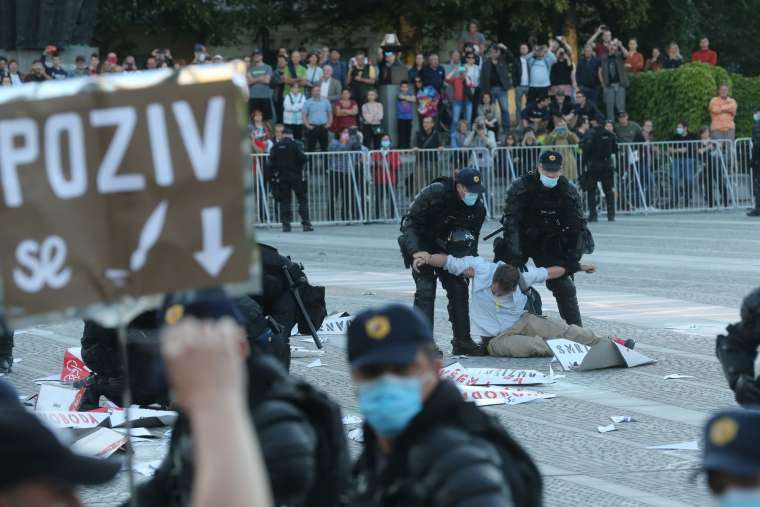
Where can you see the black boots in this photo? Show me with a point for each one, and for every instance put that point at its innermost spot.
(465, 347)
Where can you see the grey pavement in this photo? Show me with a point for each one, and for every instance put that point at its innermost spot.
(670, 281)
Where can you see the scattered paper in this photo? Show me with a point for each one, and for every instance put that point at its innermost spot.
(303, 352)
(317, 362)
(605, 354)
(692, 445)
(147, 469)
(552, 376)
(492, 376)
(368, 293)
(136, 432)
(351, 419)
(17, 360)
(142, 417)
(101, 443)
(57, 399)
(76, 420)
(461, 356)
(617, 419)
(676, 376)
(50, 378)
(606, 429)
(357, 435)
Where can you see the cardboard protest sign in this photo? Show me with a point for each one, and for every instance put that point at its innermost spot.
(142, 417)
(605, 354)
(500, 395)
(74, 368)
(56, 399)
(126, 185)
(76, 420)
(100, 444)
(493, 376)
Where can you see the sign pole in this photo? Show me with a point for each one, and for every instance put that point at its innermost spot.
(121, 331)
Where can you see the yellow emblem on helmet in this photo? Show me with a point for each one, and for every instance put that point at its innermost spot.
(723, 431)
(476, 179)
(552, 157)
(378, 327)
(173, 314)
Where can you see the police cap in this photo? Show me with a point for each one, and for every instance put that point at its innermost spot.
(732, 442)
(551, 161)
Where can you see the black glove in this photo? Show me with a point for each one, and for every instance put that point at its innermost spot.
(747, 391)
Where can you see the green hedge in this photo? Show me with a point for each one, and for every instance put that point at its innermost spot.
(667, 96)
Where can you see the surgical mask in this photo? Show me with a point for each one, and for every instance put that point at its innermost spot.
(390, 403)
(344, 138)
(756, 116)
(385, 143)
(549, 182)
(470, 198)
(679, 131)
(561, 130)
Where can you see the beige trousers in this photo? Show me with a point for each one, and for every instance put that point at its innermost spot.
(527, 337)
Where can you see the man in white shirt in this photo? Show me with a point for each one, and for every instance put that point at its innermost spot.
(497, 306)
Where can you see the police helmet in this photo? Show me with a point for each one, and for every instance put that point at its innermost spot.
(460, 243)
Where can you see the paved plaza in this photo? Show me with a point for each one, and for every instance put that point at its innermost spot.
(670, 281)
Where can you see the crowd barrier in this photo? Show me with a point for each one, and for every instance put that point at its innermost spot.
(379, 185)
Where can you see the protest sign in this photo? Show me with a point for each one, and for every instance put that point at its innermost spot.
(605, 354)
(126, 185)
(100, 444)
(74, 368)
(75, 420)
(55, 398)
(493, 376)
(142, 417)
(500, 395)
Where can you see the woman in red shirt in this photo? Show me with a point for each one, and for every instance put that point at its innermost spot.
(346, 111)
(385, 164)
(461, 98)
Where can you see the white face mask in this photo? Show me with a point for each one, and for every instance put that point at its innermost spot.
(549, 182)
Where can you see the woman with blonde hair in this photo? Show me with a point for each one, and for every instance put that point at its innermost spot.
(674, 59)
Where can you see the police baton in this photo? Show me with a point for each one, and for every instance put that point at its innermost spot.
(297, 295)
(494, 233)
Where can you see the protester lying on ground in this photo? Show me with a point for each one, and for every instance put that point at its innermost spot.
(423, 444)
(36, 469)
(498, 308)
(731, 457)
(300, 429)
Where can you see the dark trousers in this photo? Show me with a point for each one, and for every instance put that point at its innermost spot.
(404, 128)
(293, 184)
(371, 140)
(756, 183)
(457, 292)
(564, 292)
(537, 92)
(605, 176)
(383, 201)
(264, 105)
(6, 344)
(314, 135)
(297, 131)
(711, 178)
(340, 195)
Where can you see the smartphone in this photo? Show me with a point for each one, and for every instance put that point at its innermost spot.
(461, 68)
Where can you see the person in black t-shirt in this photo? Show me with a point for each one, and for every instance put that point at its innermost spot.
(682, 153)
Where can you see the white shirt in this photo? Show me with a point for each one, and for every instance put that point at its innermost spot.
(525, 74)
(473, 72)
(324, 88)
(491, 315)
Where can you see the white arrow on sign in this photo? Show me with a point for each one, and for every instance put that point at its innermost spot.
(214, 256)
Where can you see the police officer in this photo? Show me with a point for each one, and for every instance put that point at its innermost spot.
(423, 444)
(543, 220)
(755, 162)
(737, 350)
(286, 159)
(440, 208)
(6, 348)
(731, 457)
(599, 146)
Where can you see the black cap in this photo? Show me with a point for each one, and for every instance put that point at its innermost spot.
(256, 51)
(551, 161)
(389, 334)
(621, 113)
(37, 455)
(203, 304)
(470, 178)
(732, 442)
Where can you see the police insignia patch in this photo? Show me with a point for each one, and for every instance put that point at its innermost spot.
(378, 327)
(174, 314)
(723, 431)
(476, 179)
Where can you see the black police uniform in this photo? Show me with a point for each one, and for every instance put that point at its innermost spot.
(755, 164)
(737, 350)
(599, 146)
(6, 348)
(286, 161)
(433, 215)
(547, 225)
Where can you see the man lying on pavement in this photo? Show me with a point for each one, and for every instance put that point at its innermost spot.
(497, 307)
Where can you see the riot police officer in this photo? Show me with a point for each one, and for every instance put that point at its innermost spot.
(737, 350)
(440, 208)
(286, 161)
(755, 162)
(543, 220)
(599, 146)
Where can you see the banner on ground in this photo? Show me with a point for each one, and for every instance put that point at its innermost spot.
(493, 376)
(605, 354)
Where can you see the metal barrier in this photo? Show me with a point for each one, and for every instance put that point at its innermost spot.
(379, 186)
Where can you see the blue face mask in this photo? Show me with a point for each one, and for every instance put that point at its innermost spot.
(470, 198)
(740, 498)
(549, 182)
(390, 402)
(679, 131)
(385, 144)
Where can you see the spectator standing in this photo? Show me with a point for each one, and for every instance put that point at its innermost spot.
(416, 69)
(601, 47)
(539, 66)
(537, 115)
(339, 67)
(386, 163)
(37, 74)
(259, 80)
(755, 162)
(634, 62)
(17, 78)
(392, 72)
(5, 80)
(674, 58)
(708, 152)
(151, 63)
(317, 117)
(647, 157)
(627, 131)
(655, 62)
(339, 173)
(427, 102)
(490, 111)
(372, 117)
(459, 134)
(346, 112)
(562, 72)
(129, 64)
(565, 142)
(472, 37)
(80, 66)
(495, 77)
(481, 141)
(3, 67)
(361, 77)
(329, 87)
(278, 87)
(587, 74)
(682, 153)
(433, 74)
(293, 105)
(404, 115)
(521, 80)
(583, 107)
(705, 54)
(260, 131)
(55, 71)
(294, 72)
(460, 93)
(324, 56)
(614, 79)
(313, 70)
(722, 113)
(94, 64)
(472, 69)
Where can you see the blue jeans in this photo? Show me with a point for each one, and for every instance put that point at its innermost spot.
(682, 175)
(456, 112)
(591, 93)
(520, 92)
(500, 94)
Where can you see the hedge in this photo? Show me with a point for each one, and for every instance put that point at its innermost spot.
(667, 96)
